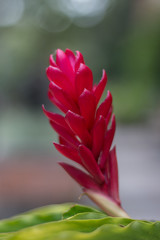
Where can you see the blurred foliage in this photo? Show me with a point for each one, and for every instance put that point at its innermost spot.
(121, 36)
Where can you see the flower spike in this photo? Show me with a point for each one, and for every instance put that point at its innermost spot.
(84, 129)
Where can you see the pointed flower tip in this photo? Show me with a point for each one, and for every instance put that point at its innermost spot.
(69, 112)
(59, 56)
(68, 51)
(109, 93)
(51, 56)
(85, 91)
(109, 97)
(79, 55)
(104, 77)
(43, 108)
(101, 118)
(50, 72)
(45, 111)
(80, 147)
(55, 144)
(104, 74)
(78, 52)
(51, 61)
(114, 149)
(62, 164)
(58, 146)
(59, 51)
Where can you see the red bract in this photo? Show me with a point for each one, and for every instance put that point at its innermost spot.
(86, 130)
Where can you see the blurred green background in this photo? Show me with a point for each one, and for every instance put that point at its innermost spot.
(122, 37)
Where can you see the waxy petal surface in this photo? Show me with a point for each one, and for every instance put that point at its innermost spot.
(77, 124)
(98, 136)
(109, 116)
(55, 117)
(79, 60)
(64, 64)
(55, 75)
(63, 97)
(83, 79)
(59, 105)
(105, 106)
(107, 143)
(68, 152)
(113, 175)
(64, 133)
(98, 90)
(71, 58)
(90, 163)
(79, 176)
(51, 61)
(87, 106)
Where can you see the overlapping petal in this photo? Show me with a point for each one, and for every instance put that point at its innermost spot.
(98, 136)
(79, 60)
(87, 105)
(63, 97)
(107, 143)
(78, 126)
(113, 175)
(105, 106)
(82, 178)
(83, 79)
(64, 64)
(64, 133)
(90, 163)
(98, 90)
(68, 152)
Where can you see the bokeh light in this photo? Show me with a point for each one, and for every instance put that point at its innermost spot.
(10, 12)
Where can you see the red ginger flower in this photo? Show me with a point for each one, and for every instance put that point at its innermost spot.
(84, 132)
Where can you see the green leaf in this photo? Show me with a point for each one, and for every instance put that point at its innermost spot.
(75, 222)
(75, 209)
(34, 217)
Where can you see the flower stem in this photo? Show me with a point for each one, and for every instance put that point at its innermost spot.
(106, 204)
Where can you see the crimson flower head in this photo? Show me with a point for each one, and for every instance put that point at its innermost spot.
(86, 129)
